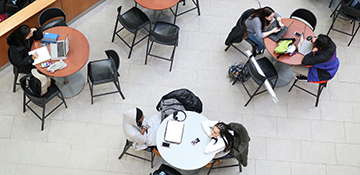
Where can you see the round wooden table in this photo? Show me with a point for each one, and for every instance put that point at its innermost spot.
(157, 4)
(69, 80)
(283, 63)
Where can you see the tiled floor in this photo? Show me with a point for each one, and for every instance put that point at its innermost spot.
(288, 138)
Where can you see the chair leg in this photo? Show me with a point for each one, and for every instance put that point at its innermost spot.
(252, 96)
(293, 85)
(126, 147)
(321, 87)
(91, 91)
(198, 6)
(117, 85)
(43, 118)
(116, 23)
(63, 99)
(172, 58)
(15, 80)
(147, 50)
(227, 48)
(176, 11)
(132, 44)
(332, 24)
(354, 34)
(24, 101)
(152, 159)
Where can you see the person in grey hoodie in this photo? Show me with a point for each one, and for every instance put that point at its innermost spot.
(139, 129)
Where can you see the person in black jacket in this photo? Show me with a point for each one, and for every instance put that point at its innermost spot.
(20, 41)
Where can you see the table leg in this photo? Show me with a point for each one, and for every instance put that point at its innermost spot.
(284, 72)
(71, 85)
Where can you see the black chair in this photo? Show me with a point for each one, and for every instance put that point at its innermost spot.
(30, 85)
(318, 93)
(237, 34)
(167, 170)
(104, 71)
(166, 34)
(306, 16)
(176, 13)
(16, 73)
(132, 20)
(45, 17)
(148, 149)
(268, 69)
(241, 146)
(348, 13)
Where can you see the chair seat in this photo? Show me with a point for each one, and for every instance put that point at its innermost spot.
(136, 16)
(165, 33)
(267, 67)
(100, 72)
(54, 23)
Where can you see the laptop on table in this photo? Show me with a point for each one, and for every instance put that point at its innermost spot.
(304, 46)
(276, 36)
(60, 49)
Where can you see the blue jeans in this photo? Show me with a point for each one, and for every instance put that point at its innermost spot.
(259, 43)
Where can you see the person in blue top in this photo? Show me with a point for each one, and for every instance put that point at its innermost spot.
(256, 25)
(321, 64)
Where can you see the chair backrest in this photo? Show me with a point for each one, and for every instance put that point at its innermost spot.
(111, 54)
(305, 15)
(348, 7)
(166, 169)
(32, 89)
(258, 78)
(165, 32)
(241, 141)
(132, 19)
(50, 13)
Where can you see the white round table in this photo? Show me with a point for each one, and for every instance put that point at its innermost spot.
(185, 155)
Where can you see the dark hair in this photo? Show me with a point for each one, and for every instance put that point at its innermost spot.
(224, 132)
(139, 115)
(261, 13)
(21, 33)
(323, 42)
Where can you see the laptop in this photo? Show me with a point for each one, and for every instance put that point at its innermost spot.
(276, 36)
(305, 46)
(60, 49)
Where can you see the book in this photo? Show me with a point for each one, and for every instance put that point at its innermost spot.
(43, 53)
(50, 37)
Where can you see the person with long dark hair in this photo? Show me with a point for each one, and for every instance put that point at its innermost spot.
(222, 138)
(20, 41)
(256, 25)
(321, 64)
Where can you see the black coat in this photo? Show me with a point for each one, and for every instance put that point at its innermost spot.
(237, 32)
(18, 52)
(188, 99)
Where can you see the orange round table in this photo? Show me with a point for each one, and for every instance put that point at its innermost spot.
(283, 63)
(157, 4)
(69, 80)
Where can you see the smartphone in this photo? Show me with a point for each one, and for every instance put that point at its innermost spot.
(45, 64)
(297, 34)
(164, 144)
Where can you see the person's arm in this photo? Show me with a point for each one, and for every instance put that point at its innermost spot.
(18, 59)
(316, 57)
(213, 147)
(207, 125)
(38, 34)
(278, 19)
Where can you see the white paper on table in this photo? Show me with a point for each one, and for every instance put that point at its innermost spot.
(266, 83)
(43, 53)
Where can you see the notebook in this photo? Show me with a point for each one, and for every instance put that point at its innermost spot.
(306, 46)
(276, 36)
(60, 49)
(174, 131)
(43, 53)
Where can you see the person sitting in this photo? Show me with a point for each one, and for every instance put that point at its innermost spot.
(20, 41)
(139, 129)
(321, 64)
(221, 138)
(256, 25)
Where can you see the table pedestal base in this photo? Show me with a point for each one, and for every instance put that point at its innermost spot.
(70, 85)
(284, 72)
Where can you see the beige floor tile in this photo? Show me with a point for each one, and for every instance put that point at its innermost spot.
(318, 152)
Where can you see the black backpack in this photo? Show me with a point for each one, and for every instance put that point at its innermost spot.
(234, 72)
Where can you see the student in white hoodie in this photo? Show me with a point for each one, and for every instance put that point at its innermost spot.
(139, 129)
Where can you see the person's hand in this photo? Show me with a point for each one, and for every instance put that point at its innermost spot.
(212, 136)
(315, 49)
(143, 130)
(281, 24)
(33, 29)
(275, 30)
(36, 55)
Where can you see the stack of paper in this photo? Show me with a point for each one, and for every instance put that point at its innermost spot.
(174, 131)
(43, 53)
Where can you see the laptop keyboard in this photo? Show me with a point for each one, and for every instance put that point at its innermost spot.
(60, 48)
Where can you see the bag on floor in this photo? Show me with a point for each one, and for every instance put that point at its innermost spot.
(235, 74)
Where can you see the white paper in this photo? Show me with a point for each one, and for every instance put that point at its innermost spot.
(174, 131)
(266, 83)
(43, 53)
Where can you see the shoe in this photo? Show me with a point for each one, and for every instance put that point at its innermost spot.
(258, 52)
(215, 163)
(301, 77)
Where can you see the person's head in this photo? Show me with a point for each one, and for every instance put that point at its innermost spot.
(23, 33)
(266, 15)
(322, 42)
(139, 117)
(222, 130)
